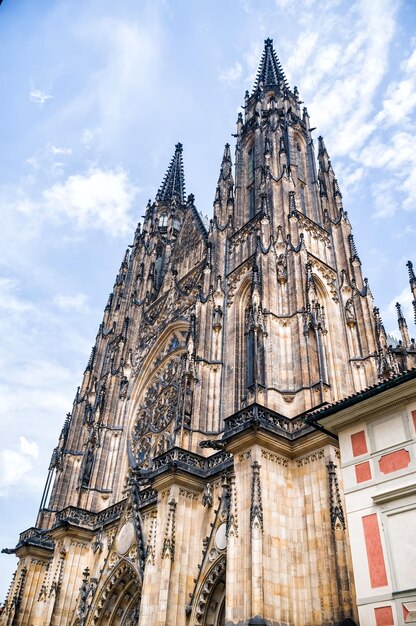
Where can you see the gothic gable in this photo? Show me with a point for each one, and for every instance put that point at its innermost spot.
(191, 244)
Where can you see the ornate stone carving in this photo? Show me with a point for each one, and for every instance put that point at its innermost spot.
(274, 458)
(335, 503)
(207, 496)
(256, 507)
(157, 413)
(310, 458)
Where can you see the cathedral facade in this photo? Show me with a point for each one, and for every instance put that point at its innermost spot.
(190, 484)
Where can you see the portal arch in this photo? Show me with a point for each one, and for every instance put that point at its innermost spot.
(118, 603)
(210, 605)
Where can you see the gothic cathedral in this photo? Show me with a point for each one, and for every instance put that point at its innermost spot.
(188, 487)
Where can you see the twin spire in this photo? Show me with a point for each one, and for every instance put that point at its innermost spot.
(173, 184)
(269, 74)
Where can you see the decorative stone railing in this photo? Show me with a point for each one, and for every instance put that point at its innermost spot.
(256, 416)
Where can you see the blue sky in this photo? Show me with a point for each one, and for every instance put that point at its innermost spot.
(94, 96)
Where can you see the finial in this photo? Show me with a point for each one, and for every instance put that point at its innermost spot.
(399, 311)
(412, 277)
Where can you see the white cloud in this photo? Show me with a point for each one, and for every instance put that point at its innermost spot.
(29, 448)
(44, 160)
(10, 299)
(342, 63)
(76, 302)
(385, 200)
(397, 155)
(130, 55)
(401, 98)
(89, 135)
(17, 465)
(99, 199)
(39, 97)
(232, 74)
(58, 150)
(407, 230)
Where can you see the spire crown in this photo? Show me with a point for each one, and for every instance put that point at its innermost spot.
(174, 181)
(226, 164)
(270, 72)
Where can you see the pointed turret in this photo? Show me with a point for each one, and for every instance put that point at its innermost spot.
(401, 320)
(412, 281)
(224, 195)
(270, 72)
(173, 184)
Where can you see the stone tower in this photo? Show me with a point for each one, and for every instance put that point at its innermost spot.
(186, 487)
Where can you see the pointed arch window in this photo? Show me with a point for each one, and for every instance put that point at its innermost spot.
(251, 165)
(176, 225)
(251, 201)
(300, 161)
(250, 187)
(255, 372)
(303, 199)
(87, 468)
(250, 358)
(158, 266)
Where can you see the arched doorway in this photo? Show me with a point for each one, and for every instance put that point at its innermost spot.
(119, 601)
(210, 607)
(215, 612)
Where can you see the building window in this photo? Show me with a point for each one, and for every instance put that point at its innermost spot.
(176, 224)
(299, 162)
(302, 199)
(251, 201)
(163, 220)
(250, 359)
(251, 166)
(158, 267)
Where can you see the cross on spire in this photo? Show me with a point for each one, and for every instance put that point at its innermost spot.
(270, 71)
(174, 182)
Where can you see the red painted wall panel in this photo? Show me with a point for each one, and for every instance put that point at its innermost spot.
(394, 461)
(363, 472)
(384, 616)
(375, 557)
(359, 443)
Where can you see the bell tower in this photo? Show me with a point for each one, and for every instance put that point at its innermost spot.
(298, 306)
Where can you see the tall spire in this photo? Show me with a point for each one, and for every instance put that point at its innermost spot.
(270, 72)
(174, 182)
